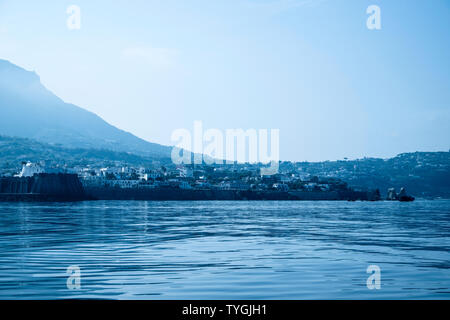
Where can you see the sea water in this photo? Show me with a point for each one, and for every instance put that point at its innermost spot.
(224, 250)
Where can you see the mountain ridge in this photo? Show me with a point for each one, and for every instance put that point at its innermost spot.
(29, 110)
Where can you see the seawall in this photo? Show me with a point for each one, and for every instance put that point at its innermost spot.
(42, 187)
(162, 194)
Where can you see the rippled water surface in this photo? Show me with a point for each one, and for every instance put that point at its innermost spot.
(225, 250)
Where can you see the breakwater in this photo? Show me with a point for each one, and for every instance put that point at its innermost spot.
(67, 187)
(42, 187)
(161, 194)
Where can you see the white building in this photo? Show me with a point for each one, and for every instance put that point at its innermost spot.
(30, 169)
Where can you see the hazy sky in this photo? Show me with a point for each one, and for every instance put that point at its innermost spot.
(310, 68)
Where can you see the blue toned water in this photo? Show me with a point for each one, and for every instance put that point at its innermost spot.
(225, 250)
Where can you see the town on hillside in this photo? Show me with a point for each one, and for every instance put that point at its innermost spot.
(192, 177)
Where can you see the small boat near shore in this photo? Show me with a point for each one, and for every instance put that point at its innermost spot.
(406, 198)
(402, 196)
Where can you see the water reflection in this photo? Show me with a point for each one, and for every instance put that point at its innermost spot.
(225, 250)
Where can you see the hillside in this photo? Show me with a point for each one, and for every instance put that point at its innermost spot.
(424, 174)
(14, 150)
(29, 110)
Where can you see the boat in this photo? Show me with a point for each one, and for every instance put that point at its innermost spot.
(406, 199)
(403, 197)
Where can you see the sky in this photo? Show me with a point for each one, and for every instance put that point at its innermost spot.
(310, 68)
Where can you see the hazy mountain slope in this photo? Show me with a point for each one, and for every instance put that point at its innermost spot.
(28, 109)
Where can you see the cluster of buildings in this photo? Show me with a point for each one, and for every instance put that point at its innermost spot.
(200, 177)
(423, 173)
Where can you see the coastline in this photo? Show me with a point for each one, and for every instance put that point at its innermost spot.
(169, 194)
(46, 187)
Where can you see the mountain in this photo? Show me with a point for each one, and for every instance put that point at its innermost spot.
(29, 110)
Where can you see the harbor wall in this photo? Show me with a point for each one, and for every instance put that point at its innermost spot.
(67, 187)
(162, 194)
(42, 187)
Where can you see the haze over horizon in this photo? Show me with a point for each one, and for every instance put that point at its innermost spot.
(309, 68)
